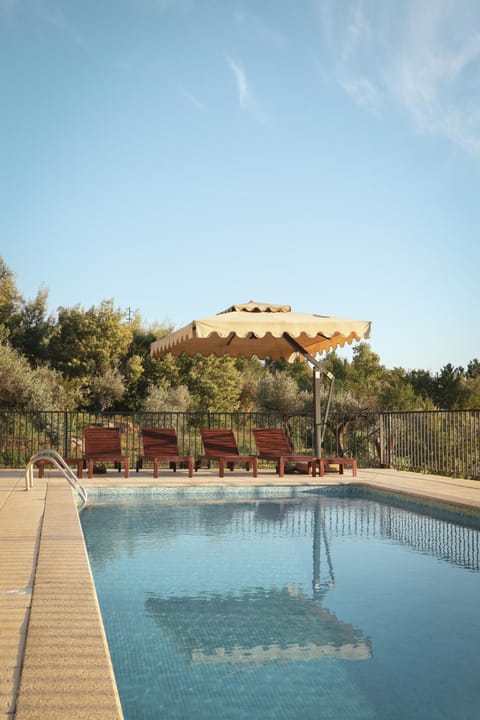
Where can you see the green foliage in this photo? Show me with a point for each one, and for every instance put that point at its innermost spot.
(301, 373)
(473, 398)
(337, 366)
(10, 301)
(365, 376)
(422, 382)
(473, 369)
(106, 388)
(15, 378)
(251, 371)
(213, 382)
(447, 389)
(141, 371)
(397, 393)
(33, 329)
(87, 342)
(344, 404)
(100, 359)
(278, 392)
(174, 399)
(27, 389)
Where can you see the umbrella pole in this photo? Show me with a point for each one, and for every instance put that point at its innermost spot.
(318, 431)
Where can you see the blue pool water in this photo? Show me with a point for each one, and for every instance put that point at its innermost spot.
(313, 605)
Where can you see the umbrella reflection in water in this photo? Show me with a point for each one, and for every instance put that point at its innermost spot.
(262, 625)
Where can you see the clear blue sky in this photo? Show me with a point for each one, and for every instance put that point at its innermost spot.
(179, 156)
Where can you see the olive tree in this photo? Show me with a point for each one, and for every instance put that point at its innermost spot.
(31, 389)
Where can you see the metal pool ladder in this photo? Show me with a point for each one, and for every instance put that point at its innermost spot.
(53, 457)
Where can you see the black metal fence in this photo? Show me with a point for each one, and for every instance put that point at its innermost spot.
(437, 442)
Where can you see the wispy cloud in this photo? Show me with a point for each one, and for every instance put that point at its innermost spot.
(422, 57)
(241, 80)
(364, 92)
(192, 100)
(58, 20)
(42, 11)
(246, 98)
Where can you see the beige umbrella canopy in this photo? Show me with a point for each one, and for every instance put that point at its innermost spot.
(264, 330)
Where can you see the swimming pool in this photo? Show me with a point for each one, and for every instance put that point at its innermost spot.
(335, 603)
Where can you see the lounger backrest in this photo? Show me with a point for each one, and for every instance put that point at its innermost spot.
(100, 442)
(216, 442)
(272, 441)
(159, 441)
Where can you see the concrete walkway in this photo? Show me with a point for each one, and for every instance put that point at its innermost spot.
(54, 659)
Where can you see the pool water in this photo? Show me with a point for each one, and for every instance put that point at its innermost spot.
(336, 604)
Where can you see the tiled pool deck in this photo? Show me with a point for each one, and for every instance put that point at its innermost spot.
(54, 660)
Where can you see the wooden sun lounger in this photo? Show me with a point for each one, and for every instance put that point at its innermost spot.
(75, 462)
(221, 446)
(103, 445)
(161, 445)
(342, 462)
(273, 444)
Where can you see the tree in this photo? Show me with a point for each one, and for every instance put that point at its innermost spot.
(140, 370)
(423, 383)
(173, 399)
(106, 388)
(473, 388)
(344, 409)
(10, 301)
(301, 372)
(251, 371)
(364, 376)
(278, 392)
(30, 390)
(88, 342)
(213, 382)
(397, 393)
(33, 329)
(15, 378)
(337, 366)
(447, 388)
(473, 369)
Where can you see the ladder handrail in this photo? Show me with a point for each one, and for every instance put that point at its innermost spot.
(56, 459)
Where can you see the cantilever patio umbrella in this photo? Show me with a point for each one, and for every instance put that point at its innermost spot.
(264, 330)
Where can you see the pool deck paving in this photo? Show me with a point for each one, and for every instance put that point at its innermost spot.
(54, 658)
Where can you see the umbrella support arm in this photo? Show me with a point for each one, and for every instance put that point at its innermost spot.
(327, 407)
(320, 425)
